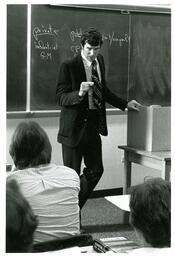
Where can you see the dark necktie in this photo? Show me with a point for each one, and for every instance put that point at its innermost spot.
(97, 93)
(97, 96)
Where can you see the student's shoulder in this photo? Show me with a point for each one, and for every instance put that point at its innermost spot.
(13, 175)
(68, 170)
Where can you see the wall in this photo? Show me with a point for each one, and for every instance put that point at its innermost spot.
(112, 156)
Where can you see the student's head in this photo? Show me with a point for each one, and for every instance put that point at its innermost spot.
(150, 211)
(91, 41)
(20, 220)
(30, 146)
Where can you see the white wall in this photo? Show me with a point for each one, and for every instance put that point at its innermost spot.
(112, 156)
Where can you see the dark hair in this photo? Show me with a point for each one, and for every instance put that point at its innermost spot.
(150, 205)
(92, 37)
(20, 220)
(30, 146)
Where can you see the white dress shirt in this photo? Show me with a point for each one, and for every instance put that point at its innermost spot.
(88, 67)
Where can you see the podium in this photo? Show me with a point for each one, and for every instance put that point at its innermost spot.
(149, 128)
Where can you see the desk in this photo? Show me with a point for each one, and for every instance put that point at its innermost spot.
(160, 160)
(118, 244)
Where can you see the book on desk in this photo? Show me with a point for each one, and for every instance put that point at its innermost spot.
(115, 244)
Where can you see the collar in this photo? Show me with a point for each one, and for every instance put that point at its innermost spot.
(88, 63)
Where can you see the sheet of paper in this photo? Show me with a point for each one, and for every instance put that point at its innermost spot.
(121, 201)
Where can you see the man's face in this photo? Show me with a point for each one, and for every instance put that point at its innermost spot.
(90, 52)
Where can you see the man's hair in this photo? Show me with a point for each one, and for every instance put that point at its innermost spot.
(92, 37)
(30, 146)
(20, 220)
(150, 205)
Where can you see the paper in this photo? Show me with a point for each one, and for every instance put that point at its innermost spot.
(121, 201)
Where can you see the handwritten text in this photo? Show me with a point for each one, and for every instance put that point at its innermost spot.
(38, 31)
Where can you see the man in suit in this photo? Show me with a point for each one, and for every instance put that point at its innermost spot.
(82, 92)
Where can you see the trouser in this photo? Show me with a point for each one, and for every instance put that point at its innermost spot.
(90, 150)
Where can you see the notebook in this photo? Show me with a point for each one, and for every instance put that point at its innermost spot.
(115, 244)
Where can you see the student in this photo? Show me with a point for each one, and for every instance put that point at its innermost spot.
(51, 190)
(20, 220)
(82, 92)
(150, 212)
(150, 216)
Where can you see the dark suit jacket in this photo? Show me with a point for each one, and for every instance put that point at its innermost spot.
(74, 110)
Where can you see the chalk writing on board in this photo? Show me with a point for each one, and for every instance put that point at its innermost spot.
(47, 39)
(75, 34)
(45, 46)
(38, 31)
(111, 37)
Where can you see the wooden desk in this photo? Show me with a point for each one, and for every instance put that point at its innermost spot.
(158, 160)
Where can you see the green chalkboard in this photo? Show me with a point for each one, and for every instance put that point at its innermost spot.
(56, 35)
(136, 49)
(150, 62)
(16, 57)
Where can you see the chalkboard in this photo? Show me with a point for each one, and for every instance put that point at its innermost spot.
(150, 61)
(16, 57)
(56, 35)
(136, 49)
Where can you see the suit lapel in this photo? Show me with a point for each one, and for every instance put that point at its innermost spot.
(80, 68)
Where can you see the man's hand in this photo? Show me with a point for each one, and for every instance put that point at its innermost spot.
(133, 105)
(84, 88)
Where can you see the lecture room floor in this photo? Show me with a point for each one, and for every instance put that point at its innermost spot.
(102, 219)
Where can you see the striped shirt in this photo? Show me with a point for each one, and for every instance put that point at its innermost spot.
(52, 192)
(88, 67)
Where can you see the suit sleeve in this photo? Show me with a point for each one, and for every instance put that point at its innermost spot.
(114, 100)
(65, 95)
